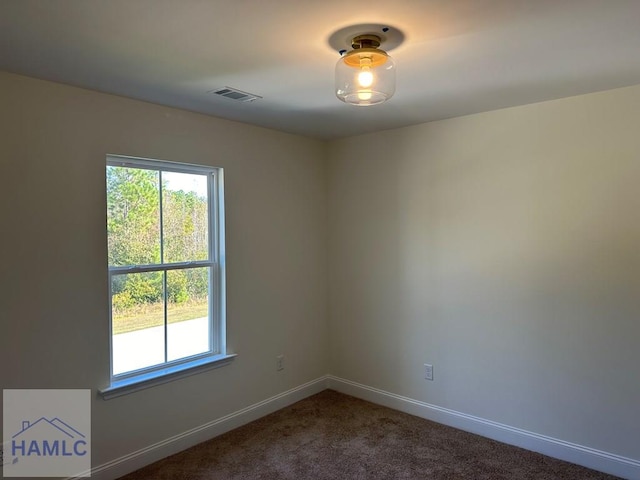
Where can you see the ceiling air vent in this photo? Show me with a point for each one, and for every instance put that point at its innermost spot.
(235, 94)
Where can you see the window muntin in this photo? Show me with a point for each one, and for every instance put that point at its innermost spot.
(165, 241)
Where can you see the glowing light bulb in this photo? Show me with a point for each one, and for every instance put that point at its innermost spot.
(365, 77)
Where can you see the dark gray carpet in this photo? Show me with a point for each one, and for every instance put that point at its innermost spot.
(335, 436)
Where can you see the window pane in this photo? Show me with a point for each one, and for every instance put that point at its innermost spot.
(160, 214)
(187, 312)
(133, 216)
(184, 217)
(138, 321)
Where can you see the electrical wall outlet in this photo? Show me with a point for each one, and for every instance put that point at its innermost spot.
(428, 371)
(280, 362)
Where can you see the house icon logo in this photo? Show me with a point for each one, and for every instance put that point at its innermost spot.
(46, 433)
(46, 437)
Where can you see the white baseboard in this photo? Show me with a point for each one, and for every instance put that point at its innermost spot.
(588, 457)
(571, 452)
(133, 461)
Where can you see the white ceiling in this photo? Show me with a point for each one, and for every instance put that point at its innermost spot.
(458, 57)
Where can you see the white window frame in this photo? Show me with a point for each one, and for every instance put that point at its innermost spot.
(217, 356)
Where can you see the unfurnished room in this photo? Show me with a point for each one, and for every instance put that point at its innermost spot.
(320, 240)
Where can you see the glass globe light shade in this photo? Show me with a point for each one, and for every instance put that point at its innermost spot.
(365, 76)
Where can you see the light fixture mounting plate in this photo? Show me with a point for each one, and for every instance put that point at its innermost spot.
(390, 37)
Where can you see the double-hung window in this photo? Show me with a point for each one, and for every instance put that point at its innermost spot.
(165, 229)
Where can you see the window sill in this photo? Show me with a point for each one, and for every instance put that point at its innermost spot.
(169, 374)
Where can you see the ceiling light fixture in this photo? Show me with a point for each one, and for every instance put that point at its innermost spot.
(365, 74)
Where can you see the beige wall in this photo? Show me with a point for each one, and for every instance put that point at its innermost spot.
(53, 305)
(503, 248)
